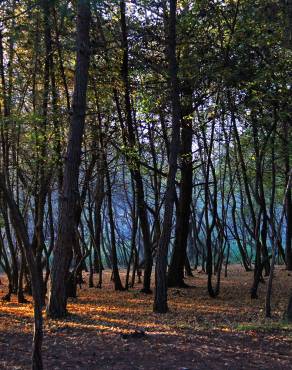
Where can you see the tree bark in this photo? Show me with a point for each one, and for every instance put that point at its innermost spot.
(179, 256)
(135, 171)
(34, 271)
(70, 193)
(160, 300)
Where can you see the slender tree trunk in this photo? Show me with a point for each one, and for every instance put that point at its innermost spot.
(114, 256)
(289, 309)
(11, 247)
(35, 276)
(288, 204)
(133, 236)
(20, 294)
(276, 236)
(141, 204)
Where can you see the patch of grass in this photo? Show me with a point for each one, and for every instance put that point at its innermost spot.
(265, 327)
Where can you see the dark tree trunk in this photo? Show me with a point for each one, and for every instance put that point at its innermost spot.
(160, 300)
(133, 236)
(141, 204)
(11, 248)
(188, 267)
(179, 256)
(275, 235)
(99, 196)
(20, 294)
(114, 256)
(90, 278)
(288, 204)
(34, 271)
(289, 309)
(70, 194)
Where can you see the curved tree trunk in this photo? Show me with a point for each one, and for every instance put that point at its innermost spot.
(34, 271)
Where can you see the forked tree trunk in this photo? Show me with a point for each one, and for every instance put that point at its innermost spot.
(160, 300)
(70, 193)
(179, 257)
(34, 271)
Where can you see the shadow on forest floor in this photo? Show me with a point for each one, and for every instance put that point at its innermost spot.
(197, 333)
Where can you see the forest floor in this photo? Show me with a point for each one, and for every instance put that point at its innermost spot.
(199, 332)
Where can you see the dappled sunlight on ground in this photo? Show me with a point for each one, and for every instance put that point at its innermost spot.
(197, 333)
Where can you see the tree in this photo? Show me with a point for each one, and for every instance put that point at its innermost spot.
(160, 300)
(67, 231)
(34, 270)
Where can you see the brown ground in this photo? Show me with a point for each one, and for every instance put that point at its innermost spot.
(198, 333)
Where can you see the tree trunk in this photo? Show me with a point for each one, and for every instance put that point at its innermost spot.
(141, 204)
(114, 256)
(176, 268)
(70, 194)
(288, 204)
(34, 271)
(160, 300)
